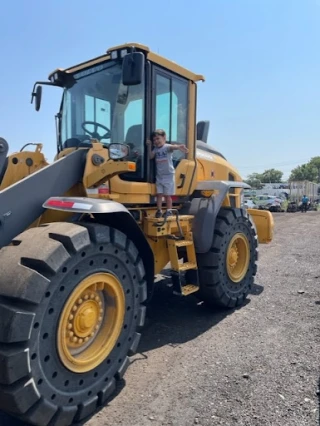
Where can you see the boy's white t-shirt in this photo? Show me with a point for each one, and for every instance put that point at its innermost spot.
(164, 163)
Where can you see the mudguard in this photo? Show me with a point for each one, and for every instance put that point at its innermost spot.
(115, 215)
(264, 222)
(205, 211)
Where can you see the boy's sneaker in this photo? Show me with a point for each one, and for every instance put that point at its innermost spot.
(158, 214)
(168, 213)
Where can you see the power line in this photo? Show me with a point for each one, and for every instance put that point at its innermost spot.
(291, 163)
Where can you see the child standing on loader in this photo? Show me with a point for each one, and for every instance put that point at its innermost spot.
(165, 173)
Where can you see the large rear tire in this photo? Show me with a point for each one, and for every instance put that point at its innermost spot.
(226, 272)
(70, 305)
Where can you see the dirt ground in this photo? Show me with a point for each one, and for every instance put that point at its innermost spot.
(256, 366)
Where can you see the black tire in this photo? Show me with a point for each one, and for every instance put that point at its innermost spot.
(216, 287)
(38, 274)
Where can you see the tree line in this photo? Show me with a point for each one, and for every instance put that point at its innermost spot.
(309, 171)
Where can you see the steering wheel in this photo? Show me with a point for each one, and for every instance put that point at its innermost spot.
(95, 134)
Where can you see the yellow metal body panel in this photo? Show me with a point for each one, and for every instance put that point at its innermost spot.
(264, 222)
(97, 174)
(160, 60)
(152, 226)
(18, 167)
(213, 167)
(157, 59)
(157, 237)
(161, 253)
(192, 122)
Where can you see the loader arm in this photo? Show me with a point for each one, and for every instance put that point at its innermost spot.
(21, 203)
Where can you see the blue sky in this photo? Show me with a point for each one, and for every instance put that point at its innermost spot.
(260, 59)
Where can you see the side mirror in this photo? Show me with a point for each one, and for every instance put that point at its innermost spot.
(37, 95)
(117, 151)
(133, 69)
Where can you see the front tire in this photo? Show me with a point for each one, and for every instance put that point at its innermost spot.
(226, 272)
(71, 304)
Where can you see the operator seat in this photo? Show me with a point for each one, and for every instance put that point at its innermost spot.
(134, 135)
(75, 143)
(134, 140)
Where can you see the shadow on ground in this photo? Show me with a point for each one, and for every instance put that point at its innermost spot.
(171, 320)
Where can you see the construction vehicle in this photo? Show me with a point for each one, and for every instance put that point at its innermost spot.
(80, 243)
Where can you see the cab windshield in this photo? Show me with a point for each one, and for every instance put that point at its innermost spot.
(98, 105)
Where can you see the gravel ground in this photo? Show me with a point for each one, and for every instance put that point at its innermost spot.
(256, 366)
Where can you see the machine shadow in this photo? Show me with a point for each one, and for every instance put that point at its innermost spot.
(173, 320)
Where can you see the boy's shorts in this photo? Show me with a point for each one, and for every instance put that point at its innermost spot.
(166, 186)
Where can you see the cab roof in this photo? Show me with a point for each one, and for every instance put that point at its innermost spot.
(151, 56)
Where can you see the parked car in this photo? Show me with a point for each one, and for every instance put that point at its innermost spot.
(270, 202)
(249, 204)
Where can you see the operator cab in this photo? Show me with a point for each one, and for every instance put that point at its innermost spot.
(120, 98)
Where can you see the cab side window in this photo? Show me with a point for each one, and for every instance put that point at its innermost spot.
(171, 109)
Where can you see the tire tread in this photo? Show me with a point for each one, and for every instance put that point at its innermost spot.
(48, 248)
(211, 272)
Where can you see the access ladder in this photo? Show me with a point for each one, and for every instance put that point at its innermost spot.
(177, 230)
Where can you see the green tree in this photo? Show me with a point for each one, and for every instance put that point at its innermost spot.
(309, 171)
(315, 163)
(254, 180)
(271, 176)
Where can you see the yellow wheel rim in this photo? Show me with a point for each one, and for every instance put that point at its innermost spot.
(238, 257)
(91, 322)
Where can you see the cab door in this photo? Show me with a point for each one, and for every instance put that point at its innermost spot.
(173, 102)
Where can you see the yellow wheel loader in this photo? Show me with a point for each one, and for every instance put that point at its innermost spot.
(80, 245)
